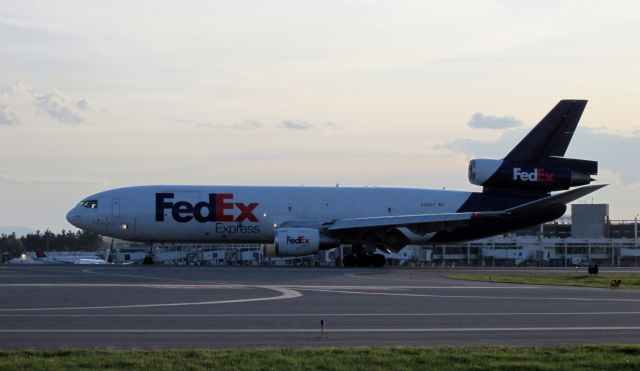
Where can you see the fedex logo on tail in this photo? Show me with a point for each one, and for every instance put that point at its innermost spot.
(219, 208)
(537, 175)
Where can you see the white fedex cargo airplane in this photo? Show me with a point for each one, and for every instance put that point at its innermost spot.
(302, 220)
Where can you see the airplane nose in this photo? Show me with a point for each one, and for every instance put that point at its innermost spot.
(73, 218)
(69, 216)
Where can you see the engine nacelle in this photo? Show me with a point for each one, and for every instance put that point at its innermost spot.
(542, 177)
(295, 242)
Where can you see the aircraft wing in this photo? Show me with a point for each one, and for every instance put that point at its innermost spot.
(425, 223)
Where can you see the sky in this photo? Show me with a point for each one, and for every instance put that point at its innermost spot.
(97, 95)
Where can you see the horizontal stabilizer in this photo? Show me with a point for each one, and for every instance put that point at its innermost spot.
(559, 198)
(434, 222)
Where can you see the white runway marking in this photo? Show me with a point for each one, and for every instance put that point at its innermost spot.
(315, 330)
(303, 315)
(300, 287)
(394, 287)
(285, 294)
(562, 270)
(470, 296)
(293, 291)
(141, 285)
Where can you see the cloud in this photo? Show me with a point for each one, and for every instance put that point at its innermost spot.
(330, 125)
(252, 124)
(7, 117)
(296, 124)
(58, 106)
(37, 107)
(482, 121)
(29, 24)
(18, 87)
(42, 107)
(83, 104)
(249, 124)
(613, 151)
(306, 125)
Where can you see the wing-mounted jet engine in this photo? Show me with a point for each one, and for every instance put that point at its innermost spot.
(298, 241)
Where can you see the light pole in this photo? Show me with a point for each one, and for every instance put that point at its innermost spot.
(635, 230)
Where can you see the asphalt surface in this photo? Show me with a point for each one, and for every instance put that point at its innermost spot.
(71, 306)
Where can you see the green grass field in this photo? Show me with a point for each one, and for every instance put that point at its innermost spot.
(593, 357)
(629, 280)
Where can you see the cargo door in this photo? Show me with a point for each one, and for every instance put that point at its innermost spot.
(115, 207)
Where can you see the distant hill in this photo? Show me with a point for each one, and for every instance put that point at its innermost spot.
(20, 231)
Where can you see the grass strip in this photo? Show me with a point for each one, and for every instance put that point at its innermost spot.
(628, 281)
(580, 357)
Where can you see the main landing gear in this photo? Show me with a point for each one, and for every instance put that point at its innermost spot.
(149, 257)
(360, 258)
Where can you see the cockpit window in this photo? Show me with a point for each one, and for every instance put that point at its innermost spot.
(89, 204)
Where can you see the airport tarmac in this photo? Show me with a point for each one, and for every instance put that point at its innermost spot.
(71, 306)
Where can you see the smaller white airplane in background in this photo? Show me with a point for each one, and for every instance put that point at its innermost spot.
(70, 259)
(91, 261)
(62, 258)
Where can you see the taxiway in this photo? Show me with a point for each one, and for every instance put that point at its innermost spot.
(235, 307)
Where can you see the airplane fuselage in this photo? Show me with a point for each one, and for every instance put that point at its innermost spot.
(246, 214)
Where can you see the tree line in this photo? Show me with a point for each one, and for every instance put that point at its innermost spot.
(49, 241)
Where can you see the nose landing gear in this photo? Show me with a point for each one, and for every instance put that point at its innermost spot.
(149, 257)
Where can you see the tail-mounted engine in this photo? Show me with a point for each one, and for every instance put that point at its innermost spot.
(551, 174)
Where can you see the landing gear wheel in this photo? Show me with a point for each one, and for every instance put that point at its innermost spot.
(378, 260)
(363, 260)
(360, 257)
(349, 260)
